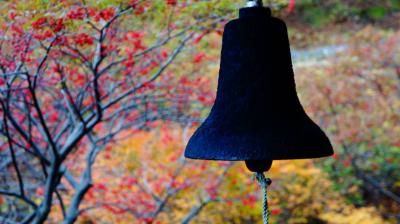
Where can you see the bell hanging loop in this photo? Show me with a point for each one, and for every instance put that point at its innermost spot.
(254, 3)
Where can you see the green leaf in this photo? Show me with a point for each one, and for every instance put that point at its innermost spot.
(377, 12)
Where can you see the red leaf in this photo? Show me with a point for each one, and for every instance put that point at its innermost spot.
(198, 39)
(171, 2)
(83, 39)
(291, 6)
(199, 57)
(57, 25)
(132, 35)
(12, 15)
(105, 14)
(39, 23)
(77, 13)
(276, 211)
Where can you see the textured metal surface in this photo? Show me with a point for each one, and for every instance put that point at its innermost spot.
(257, 114)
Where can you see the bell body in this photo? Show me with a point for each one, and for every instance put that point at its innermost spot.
(257, 114)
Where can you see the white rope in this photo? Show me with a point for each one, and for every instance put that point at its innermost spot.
(264, 183)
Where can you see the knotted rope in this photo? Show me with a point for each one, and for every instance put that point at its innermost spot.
(264, 183)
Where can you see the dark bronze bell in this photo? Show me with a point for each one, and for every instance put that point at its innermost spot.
(257, 116)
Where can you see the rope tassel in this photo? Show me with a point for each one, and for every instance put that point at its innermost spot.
(264, 183)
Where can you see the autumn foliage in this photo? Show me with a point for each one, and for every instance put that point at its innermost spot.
(99, 98)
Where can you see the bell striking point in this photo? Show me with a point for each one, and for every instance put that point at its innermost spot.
(257, 114)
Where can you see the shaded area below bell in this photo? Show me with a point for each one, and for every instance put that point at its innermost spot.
(258, 166)
(257, 114)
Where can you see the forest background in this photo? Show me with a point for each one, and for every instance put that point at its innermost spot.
(98, 99)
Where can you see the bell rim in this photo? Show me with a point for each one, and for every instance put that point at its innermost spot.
(326, 153)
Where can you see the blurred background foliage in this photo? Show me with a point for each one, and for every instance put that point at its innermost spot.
(346, 56)
(321, 13)
(346, 59)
